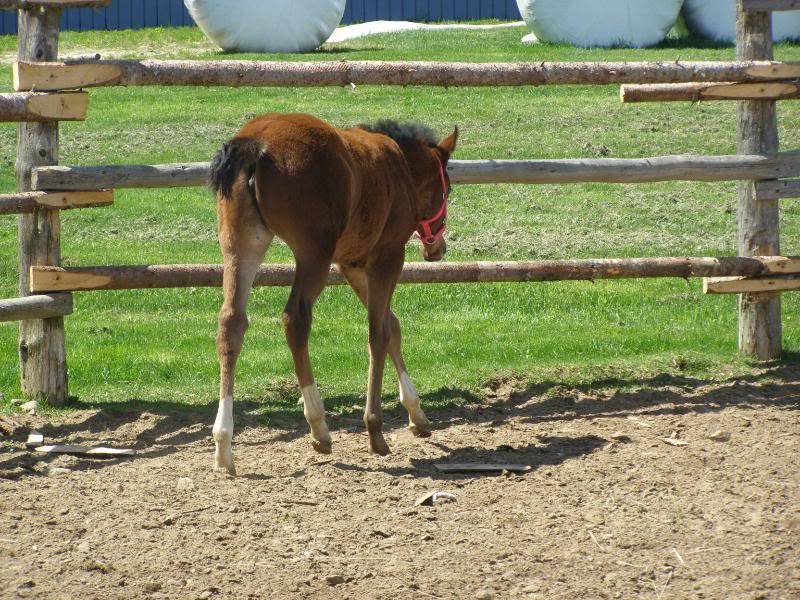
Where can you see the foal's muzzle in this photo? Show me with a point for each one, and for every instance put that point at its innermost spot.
(434, 252)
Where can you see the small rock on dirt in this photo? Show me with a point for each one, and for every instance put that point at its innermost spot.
(185, 484)
(53, 471)
(595, 517)
(92, 564)
(333, 580)
(674, 442)
(29, 406)
(430, 498)
(484, 595)
(720, 436)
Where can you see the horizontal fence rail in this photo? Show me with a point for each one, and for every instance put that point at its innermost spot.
(748, 285)
(696, 92)
(30, 106)
(179, 276)
(545, 171)
(36, 307)
(774, 190)
(27, 202)
(44, 76)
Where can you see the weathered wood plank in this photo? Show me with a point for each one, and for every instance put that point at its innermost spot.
(747, 285)
(35, 439)
(771, 5)
(43, 306)
(481, 467)
(177, 276)
(42, 351)
(757, 220)
(608, 170)
(88, 450)
(696, 92)
(778, 188)
(30, 107)
(236, 73)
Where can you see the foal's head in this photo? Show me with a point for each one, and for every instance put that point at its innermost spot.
(427, 160)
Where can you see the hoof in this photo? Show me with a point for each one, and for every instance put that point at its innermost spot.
(322, 447)
(422, 431)
(378, 446)
(231, 470)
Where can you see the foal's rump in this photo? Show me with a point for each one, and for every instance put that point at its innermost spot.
(324, 191)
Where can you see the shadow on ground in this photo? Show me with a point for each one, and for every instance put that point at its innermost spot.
(158, 429)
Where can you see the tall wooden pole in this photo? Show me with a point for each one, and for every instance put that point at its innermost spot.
(758, 226)
(42, 352)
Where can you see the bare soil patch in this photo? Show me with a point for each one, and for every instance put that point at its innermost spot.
(609, 510)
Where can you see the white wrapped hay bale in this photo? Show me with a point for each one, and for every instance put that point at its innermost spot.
(267, 25)
(589, 23)
(716, 20)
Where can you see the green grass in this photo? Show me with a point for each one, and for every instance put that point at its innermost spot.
(158, 345)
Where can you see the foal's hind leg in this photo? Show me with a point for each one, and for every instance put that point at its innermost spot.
(417, 421)
(243, 240)
(310, 279)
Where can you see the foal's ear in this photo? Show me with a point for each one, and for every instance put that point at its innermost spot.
(448, 145)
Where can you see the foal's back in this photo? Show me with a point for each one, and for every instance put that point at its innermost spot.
(339, 188)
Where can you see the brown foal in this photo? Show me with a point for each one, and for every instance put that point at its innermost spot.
(349, 197)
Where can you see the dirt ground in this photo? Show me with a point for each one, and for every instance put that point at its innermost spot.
(609, 509)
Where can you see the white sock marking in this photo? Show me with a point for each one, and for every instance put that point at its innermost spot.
(223, 425)
(314, 410)
(410, 399)
(408, 393)
(223, 434)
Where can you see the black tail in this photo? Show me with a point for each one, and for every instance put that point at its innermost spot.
(237, 157)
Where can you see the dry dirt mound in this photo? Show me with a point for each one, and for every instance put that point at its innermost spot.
(609, 509)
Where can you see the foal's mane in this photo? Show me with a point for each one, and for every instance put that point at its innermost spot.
(402, 132)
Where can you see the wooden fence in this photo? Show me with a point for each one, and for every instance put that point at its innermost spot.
(48, 91)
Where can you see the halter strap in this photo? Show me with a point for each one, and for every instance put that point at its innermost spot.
(424, 231)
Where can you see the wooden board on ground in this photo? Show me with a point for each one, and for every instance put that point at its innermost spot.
(481, 467)
(86, 450)
(35, 439)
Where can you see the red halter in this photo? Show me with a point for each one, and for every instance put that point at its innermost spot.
(424, 232)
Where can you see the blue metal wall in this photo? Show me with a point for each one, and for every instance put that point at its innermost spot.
(136, 14)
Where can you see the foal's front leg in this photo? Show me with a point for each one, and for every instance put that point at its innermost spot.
(381, 281)
(417, 421)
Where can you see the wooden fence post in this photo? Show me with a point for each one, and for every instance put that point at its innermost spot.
(42, 352)
(758, 224)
